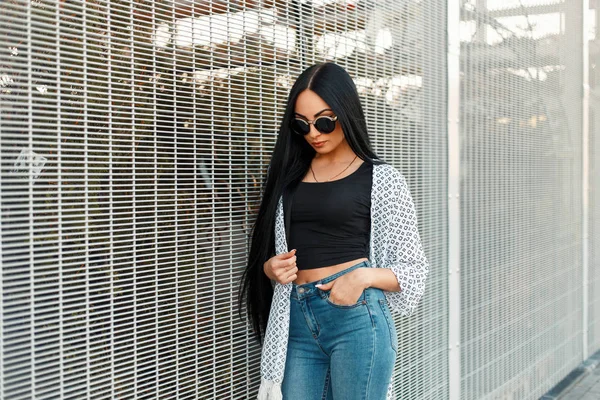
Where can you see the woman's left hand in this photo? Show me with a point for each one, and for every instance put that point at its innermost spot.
(348, 288)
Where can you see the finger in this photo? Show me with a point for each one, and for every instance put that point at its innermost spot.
(325, 286)
(290, 275)
(281, 269)
(291, 279)
(288, 271)
(286, 263)
(287, 268)
(287, 255)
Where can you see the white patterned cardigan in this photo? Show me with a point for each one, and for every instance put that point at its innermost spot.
(394, 243)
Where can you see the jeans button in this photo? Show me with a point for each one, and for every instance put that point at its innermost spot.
(300, 290)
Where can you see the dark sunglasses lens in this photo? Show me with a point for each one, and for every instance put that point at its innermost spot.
(325, 125)
(300, 127)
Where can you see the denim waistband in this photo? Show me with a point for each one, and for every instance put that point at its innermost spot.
(309, 289)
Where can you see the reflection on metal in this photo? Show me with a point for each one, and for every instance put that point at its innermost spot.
(28, 163)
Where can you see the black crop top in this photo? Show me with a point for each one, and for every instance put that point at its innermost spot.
(331, 221)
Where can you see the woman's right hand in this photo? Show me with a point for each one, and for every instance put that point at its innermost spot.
(282, 267)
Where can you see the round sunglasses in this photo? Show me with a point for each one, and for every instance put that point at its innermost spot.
(324, 124)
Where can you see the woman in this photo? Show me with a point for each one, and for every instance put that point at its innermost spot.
(326, 306)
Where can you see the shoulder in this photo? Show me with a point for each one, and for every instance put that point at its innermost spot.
(390, 174)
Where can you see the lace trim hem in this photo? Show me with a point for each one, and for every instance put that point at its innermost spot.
(269, 390)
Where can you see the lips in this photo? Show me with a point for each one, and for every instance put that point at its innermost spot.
(318, 143)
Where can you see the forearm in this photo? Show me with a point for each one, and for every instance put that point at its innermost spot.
(382, 278)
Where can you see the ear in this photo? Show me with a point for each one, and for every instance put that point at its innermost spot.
(325, 286)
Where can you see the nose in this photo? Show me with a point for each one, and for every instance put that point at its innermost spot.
(314, 132)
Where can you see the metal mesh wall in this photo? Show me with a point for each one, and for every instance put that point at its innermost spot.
(134, 139)
(594, 189)
(521, 214)
(594, 220)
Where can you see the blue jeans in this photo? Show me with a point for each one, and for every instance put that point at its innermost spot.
(336, 351)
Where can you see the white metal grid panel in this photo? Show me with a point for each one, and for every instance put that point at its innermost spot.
(134, 139)
(521, 207)
(594, 217)
(409, 131)
(594, 187)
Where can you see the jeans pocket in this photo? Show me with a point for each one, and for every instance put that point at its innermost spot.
(385, 308)
(361, 300)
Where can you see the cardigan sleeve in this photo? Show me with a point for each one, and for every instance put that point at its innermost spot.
(405, 251)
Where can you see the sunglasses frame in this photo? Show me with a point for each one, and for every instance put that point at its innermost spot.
(313, 123)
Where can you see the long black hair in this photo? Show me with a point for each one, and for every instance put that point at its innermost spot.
(290, 160)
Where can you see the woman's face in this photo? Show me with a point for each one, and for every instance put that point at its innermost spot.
(309, 106)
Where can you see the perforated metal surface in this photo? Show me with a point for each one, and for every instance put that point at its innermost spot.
(134, 137)
(521, 207)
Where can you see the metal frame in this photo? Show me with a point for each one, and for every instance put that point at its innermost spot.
(453, 58)
(585, 176)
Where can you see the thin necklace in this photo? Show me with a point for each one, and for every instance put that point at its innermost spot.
(313, 172)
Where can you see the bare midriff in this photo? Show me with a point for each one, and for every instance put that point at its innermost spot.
(310, 275)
